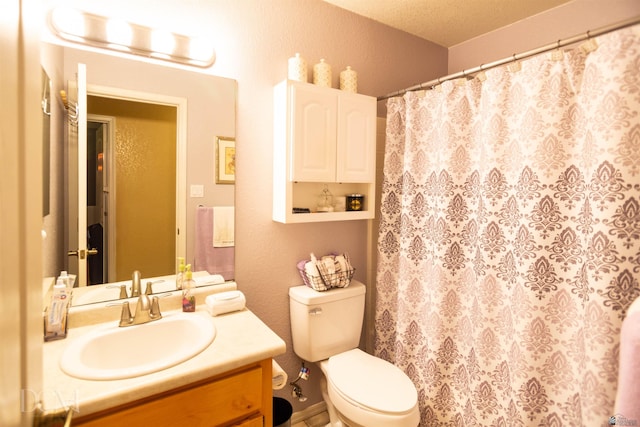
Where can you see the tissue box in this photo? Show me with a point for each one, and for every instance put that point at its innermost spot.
(225, 302)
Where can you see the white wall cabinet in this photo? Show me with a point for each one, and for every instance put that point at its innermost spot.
(322, 136)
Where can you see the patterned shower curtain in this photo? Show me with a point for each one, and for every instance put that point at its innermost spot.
(509, 244)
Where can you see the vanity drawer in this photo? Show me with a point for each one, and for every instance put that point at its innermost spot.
(226, 401)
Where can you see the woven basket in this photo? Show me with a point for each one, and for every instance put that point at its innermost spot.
(324, 282)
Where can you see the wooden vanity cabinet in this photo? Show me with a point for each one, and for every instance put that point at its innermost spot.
(242, 397)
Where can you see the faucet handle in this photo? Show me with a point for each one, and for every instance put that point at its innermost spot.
(123, 290)
(125, 315)
(149, 288)
(154, 313)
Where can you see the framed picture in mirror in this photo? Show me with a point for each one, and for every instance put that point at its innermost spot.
(225, 160)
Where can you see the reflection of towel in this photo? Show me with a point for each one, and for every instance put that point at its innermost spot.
(212, 279)
(213, 260)
(223, 226)
(628, 394)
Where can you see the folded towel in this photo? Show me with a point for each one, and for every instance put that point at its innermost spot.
(225, 302)
(223, 226)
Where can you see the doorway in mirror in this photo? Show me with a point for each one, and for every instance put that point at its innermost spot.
(131, 188)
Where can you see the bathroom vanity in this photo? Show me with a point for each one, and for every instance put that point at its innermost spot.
(240, 397)
(229, 383)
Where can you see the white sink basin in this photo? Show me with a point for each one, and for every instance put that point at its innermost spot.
(113, 352)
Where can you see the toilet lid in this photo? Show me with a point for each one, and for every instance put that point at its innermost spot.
(371, 382)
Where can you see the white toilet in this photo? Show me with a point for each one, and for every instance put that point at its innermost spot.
(360, 390)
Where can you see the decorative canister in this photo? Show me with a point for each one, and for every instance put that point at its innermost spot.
(298, 69)
(355, 202)
(322, 74)
(325, 201)
(349, 80)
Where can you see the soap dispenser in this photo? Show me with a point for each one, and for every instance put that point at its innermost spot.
(180, 273)
(188, 299)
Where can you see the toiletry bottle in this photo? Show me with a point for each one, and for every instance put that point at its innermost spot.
(65, 278)
(188, 298)
(55, 321)
(180, 273)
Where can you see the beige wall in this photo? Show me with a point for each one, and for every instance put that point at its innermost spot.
(259, 37)
(20, 212)
(570, 19)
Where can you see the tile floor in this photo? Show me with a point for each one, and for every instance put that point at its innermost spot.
(319, 420)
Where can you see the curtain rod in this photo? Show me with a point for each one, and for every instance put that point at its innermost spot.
(515, 57)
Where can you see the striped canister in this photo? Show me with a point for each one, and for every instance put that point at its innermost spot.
(298, 69)
(349, 80)
(322, 74)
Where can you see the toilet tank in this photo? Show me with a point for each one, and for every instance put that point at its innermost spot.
(326, 323)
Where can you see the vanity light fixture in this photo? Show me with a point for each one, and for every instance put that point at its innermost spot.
(108, 33)
(119, 33)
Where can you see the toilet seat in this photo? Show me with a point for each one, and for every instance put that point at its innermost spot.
(371, 383)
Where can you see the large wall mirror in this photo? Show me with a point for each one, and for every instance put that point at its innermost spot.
(150, 176)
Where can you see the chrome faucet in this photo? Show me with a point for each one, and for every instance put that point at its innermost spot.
(147, 309)
(136, 284)
(136, 287)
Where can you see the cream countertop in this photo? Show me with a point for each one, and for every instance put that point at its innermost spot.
(241, 339)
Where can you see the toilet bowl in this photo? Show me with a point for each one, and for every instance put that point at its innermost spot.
(368, 391)
(360, 390)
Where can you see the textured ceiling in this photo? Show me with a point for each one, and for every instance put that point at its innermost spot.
(447, 22)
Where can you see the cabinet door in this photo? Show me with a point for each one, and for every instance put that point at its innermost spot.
(256, 421)
(218, 403)
(313, 133)
(356, 147)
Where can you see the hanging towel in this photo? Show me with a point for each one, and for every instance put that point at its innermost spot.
(212, 259)
(223, 226)
(628, 393)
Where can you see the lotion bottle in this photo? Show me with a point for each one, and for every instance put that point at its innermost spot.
(65, 277)
(188, 299)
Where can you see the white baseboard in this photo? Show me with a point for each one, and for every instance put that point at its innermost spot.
(308, 412)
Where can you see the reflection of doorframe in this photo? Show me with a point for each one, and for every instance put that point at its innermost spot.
(108, 214)
(181, 147)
